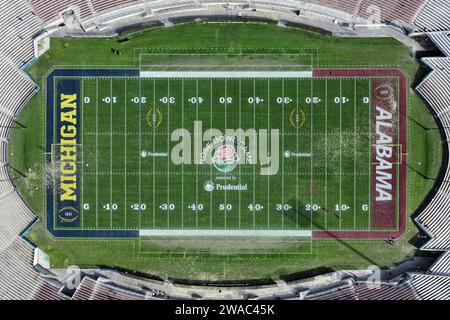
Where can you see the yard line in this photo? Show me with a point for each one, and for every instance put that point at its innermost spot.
(370, 153)
(326, 152)
(82, 154)
(154, 130)
(168, 148)
(96, 153)
(210, 167)
(139, 147)
(125, 154)
(225, 209)
(340, 153)
(182, 162)
(354, 156)
(196, 166)
(254, 164)
(312, 154)
(240, 126)
(282, 151)
(268, 130)
(110, 154)
(296, 165)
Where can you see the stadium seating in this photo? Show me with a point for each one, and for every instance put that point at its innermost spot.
(441, 40)
(431, 287)
(85, 9)
(442, 266)
(435, 16)
(49, 10)
(18, 279)
(22, 20)
(90, 289)
(18, 26)
(435, 218)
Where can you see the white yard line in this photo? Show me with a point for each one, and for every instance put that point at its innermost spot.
(326, 153)
(282, 152)
(312, 155)
(196, 166)
(225, 209)
(354, 157)
(296, 165)
(125, 154)
(96, 154)
(254, 163)
(110, 154)
(340, 154)
(370, 155)
(82, 154)
(182, 163)
(268, 130)
(139, 147)
(168, 158)
(154, 166)
(240, 126)
(210, 167)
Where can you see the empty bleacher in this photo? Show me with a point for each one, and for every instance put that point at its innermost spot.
(435, 16)
(18, 25)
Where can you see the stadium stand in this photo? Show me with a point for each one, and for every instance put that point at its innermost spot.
(100, 289)
(22, 20)
(435, 16)
(18, 279)
(435, 218)
(19, 25)
(49, 11)
(441, 40)
(88, 9)
(431, 287)
(442, 266)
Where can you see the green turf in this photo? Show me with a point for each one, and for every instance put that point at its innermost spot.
(26, 159)
(122, 189)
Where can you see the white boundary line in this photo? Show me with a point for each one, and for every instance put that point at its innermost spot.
(225, 233)
(226, 74)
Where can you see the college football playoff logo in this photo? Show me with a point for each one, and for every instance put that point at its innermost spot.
(225, 159)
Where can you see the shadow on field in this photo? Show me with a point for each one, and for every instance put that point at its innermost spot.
(302, 217)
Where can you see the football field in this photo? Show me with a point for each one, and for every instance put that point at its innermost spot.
(212, 154)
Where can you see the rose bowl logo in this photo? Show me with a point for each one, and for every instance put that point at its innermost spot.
(225, 159)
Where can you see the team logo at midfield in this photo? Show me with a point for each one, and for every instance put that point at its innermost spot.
(225, 159)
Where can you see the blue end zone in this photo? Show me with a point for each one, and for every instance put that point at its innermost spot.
(68, 209)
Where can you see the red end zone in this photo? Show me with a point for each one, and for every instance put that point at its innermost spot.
(389, 145)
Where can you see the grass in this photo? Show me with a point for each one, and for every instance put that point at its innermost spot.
(117, 181)
(25, 150)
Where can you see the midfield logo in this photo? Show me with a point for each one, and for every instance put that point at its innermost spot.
(226, 150)
(225, 159)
